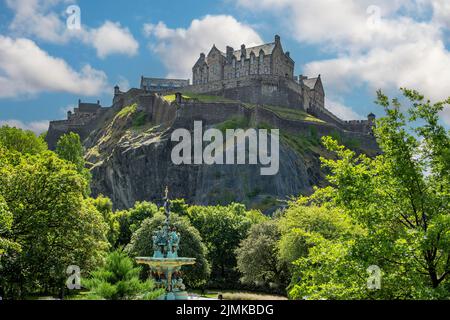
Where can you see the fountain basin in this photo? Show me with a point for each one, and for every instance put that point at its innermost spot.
(165, 262)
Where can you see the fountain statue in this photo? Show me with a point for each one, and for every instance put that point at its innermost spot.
(165, 265)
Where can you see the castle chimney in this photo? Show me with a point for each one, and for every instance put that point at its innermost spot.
(288, 54)
(230, 52)
(98, 102)
(243, 51)
(277, 39)
(116, 90)
(202, 56)
(79, 102)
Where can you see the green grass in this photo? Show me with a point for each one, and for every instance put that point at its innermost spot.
(233, 123)
(292, 114)
(300, 143)
(127, 111)
(198, 97)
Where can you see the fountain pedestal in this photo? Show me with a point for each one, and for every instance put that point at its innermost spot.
(165, 265)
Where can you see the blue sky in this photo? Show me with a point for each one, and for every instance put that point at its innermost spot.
(357, 46)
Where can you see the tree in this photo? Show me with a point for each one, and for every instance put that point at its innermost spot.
(6, 221)
(191, 246)
(52, 222)
(130, 220)
(257, 256)
(25, 142)
(105, 206)
(299, 220)
(222, 229)
(119, 279)
(69, 148)
(402, 200)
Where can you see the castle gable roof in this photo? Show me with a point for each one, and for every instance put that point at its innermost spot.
(310, 83)
(266, 48)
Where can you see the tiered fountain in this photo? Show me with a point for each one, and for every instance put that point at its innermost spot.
(165, 264)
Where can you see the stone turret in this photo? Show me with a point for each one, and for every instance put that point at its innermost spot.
(243, 52)
(230, 54)
(277, 39)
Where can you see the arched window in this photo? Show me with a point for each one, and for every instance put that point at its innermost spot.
(261, 57)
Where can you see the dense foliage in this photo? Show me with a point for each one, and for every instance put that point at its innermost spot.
(21, 141)
(129, 221)
(119, 279)
(222, 229)
(400, 199)
(258, 257)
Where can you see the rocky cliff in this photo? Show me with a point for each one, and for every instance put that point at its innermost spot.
(130, 153)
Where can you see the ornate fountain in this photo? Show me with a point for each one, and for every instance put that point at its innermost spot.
(165, 264)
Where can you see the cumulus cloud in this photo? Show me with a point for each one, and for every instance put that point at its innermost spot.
(33, 18)
(341, 110)
(111, 38)
(179, 48)
(37, 19)
(379, 44)
(26, 69)
(37, 127)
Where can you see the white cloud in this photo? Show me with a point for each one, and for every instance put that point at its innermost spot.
(112, 38)
(179, 48)
(341, 110)
(390, 45)
(36, 19)
(37, 127)
(26, 69)
(123, 83)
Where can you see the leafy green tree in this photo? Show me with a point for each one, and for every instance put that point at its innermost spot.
(257, 256)
(130, 220)
(299, 220)
(222, 229)
(69, 148)
(52, 222)
(402, 200)
(6, 221)
(191, 246)
(119, 279)
(21, 141)
(105, 206)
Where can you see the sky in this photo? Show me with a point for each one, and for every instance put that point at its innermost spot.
(357, 46)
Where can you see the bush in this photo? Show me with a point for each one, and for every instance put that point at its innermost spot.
(119, 280)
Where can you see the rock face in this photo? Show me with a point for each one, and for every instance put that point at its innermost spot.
(130, 155)
(137, 173)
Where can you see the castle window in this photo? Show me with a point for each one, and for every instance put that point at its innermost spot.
(252, 59)
(261, 57)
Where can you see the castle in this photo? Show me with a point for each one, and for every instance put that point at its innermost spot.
(261, 75)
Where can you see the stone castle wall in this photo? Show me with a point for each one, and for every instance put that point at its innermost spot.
(255, 89)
